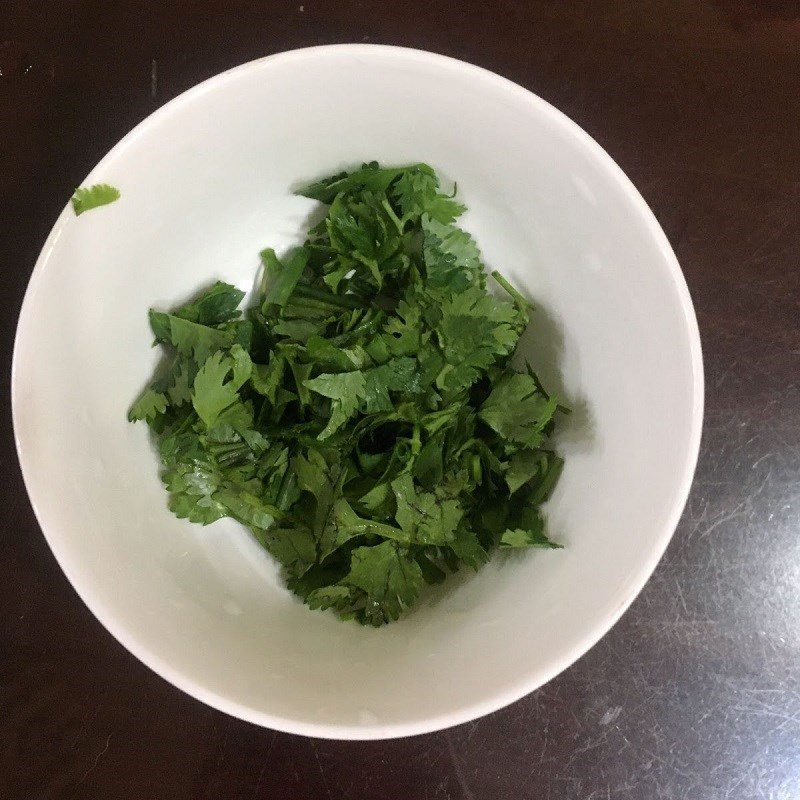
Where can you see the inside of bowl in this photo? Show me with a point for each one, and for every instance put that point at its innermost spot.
(206, 183)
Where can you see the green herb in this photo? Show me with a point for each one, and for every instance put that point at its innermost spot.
(86, 198)
(362, 418)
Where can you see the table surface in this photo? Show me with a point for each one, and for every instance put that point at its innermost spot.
(696, 691)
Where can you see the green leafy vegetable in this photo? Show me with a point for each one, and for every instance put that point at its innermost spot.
(213, 391)
(520, 538)
(362, 417)
(88, 197)
(389, 578)
(149, 405)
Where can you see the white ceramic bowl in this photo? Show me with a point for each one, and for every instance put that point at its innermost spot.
(206, 183)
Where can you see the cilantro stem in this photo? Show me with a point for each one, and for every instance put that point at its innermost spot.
(520, 300)
(364, 329)
(285, 493)
(341, 300)
(548, 482)
(416, 443)
(387, 206)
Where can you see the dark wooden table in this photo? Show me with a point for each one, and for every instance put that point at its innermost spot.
(695, 694)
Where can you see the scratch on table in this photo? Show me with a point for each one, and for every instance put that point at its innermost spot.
(266, 764)
(222, 745)
(441, 789)
(733, 786)
(321, 770)
(723, 518)
(696, 520)
(786, 719)
(473, 726)
(88, 719)
(775, 232)
(759, 460)
(611, 715)
(153, 79)
(680, 596)
(462, 781)
(97, 758)
(591, 744)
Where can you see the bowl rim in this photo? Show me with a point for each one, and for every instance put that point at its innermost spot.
(530, 682)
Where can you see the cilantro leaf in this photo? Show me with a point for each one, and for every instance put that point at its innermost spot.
(370, 177)
(416, 192)
(191, 487)
(517, 410)
(390, 579)
(397, 375)
(180, 382)
(452, 258)
(476, 328)
(468, 548)
(527, 538)
(343, 389)
(148, 406)
(88, 197)
(324, 481)
(268, 378)
(523, 466)
(294, 547)
(426, 518)
(279, 278)
(190, 338)
(213, 391)
(217, 304)
(338, 597)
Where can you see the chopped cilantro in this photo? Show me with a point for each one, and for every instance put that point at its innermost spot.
(362, 417)
(88, 197)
